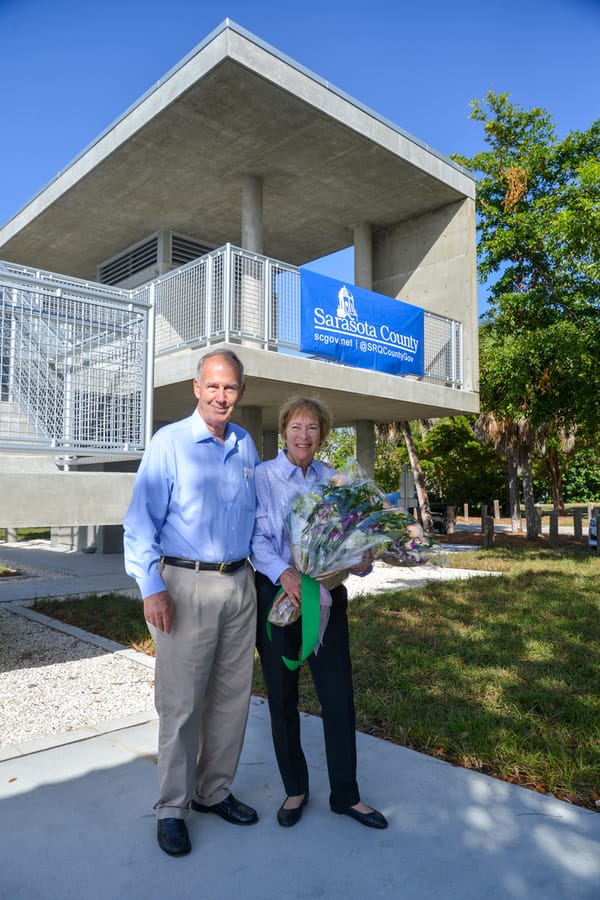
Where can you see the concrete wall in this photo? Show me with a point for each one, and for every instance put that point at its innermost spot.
(64, 498)
(430, 261)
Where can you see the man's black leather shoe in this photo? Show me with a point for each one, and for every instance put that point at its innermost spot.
(173, 837)
(230, 809)
(373, 819)
(289, 817)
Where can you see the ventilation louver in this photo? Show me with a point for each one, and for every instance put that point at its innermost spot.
(120, 268)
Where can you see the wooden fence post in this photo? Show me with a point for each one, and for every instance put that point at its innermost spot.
(496, 509)
(538, 519)
(578, 524)
(488, 531)
(450, 520)
(553, 526)
(483, 516)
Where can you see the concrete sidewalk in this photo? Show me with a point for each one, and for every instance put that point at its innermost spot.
(77, 819)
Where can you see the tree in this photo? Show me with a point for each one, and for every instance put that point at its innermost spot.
(539, 251)
(458, 467)
(582, 476)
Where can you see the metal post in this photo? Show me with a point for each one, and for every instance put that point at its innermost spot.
(266, 302)
(148, 400)
(227, 291)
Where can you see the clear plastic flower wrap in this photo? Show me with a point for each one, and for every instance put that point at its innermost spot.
(331, 532)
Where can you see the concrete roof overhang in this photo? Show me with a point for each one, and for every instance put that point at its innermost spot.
(176, 160)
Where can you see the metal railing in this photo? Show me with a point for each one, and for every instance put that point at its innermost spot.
(232, 294)
(73, 365)
(76, 357)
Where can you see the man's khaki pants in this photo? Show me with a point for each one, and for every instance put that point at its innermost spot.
(203, 679)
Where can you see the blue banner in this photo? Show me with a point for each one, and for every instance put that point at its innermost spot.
(359, 327)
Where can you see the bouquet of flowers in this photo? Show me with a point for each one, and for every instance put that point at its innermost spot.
(331, 533)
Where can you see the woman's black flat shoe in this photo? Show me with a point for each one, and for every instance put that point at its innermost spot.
(289, 817)
(373, 819)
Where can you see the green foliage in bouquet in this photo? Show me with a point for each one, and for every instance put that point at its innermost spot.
(330, 532)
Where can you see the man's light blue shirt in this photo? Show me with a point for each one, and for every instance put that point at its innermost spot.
(278, 483)
(193, 498)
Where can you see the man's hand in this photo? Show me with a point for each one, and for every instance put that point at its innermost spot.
(290, 582)
(159, 611)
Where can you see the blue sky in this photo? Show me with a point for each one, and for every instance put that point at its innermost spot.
(69, 69)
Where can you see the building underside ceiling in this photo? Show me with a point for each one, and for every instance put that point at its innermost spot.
(177, 161)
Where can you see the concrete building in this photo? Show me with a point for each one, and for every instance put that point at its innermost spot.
(239, 146)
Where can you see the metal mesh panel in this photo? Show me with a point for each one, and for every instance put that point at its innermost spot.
(73, 366)
(443, 350)
(284, 325)
(189, 306)
(180, 307)
(247, 291)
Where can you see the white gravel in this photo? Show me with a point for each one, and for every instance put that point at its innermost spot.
(55, 683)
(52, 683)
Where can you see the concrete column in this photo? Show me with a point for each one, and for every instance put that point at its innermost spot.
(363, 256)
(270, 444)
(251, 420)
(252, 213)
(365, 447)
(247, 317)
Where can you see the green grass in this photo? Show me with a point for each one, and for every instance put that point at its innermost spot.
(28, 534)
(114, 616)
(501, 675)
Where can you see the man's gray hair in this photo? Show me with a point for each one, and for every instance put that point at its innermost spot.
(225, 354)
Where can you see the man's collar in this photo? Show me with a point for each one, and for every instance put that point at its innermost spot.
(201, 431)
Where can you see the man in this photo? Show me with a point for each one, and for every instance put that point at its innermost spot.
(187, 539)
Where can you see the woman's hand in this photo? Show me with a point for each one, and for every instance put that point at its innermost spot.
(291, 584)
(365, 566)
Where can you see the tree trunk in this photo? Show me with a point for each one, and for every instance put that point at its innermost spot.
(554, 467)
(513, 490)
(417, 471)
(530, 516)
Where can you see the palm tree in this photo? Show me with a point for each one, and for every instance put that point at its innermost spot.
(515, 439)
(390, 431)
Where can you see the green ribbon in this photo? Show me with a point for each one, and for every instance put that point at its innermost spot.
(310, 612)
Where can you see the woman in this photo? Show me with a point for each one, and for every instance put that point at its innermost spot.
(304, 424)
